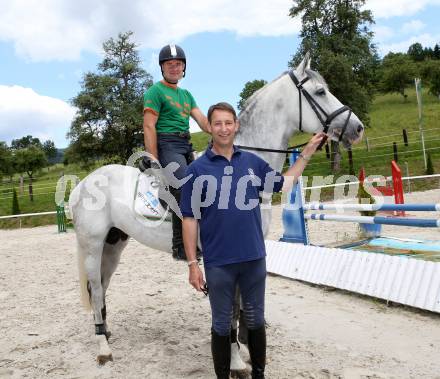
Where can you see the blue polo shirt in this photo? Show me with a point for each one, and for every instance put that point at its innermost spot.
(224, 196)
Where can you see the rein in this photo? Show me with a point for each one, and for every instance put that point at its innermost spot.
(324, 118)
(287, 151)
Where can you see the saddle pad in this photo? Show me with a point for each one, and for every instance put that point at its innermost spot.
(146, 198)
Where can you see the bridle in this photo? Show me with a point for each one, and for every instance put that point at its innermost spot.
(324, 118)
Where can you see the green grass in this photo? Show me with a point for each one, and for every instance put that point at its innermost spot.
(389, 115)
(44, 186)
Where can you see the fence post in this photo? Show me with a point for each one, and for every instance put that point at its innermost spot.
(350, 162)
(61, 219)
(405, 137)
(327, 151)
(395, 151)
(367, 143)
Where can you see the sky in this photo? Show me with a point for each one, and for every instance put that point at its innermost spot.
(46, 46)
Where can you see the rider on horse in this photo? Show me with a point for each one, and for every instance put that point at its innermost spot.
(167, 108)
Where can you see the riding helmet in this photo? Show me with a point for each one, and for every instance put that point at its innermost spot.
(170, 52)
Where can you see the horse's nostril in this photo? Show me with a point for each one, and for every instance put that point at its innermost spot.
(360, 128)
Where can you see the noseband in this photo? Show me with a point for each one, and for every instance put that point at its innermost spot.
(324, 118)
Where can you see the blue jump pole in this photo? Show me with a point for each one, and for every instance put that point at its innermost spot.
(418, 222)
(373, 207)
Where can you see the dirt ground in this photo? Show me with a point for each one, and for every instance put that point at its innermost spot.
(161, 326)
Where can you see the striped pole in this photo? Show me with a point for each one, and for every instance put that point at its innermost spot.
(419, 222)
(372, 207)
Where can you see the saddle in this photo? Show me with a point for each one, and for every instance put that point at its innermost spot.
(153, 197)
(148, 202)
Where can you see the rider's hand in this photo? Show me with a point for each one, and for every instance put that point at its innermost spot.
(196, 277)
(147, 163)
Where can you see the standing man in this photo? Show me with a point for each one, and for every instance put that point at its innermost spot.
(167, 109)
(222, 198)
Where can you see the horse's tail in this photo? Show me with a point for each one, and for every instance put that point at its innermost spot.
(85, 295)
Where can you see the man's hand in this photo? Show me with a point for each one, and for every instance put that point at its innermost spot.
(196, 277)
(313, 144)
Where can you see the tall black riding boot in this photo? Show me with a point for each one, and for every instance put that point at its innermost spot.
(177, 241)
(257, 351)
(221, 354)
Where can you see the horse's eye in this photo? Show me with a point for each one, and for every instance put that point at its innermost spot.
(321, 92)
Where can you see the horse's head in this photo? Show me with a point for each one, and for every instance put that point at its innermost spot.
(320, 110)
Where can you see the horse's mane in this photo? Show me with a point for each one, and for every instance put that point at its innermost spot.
(250, 102)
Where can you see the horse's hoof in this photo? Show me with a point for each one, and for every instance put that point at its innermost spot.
(240, 374)
(237, 363)
(108, 334)
(103, 359)
(104, 352)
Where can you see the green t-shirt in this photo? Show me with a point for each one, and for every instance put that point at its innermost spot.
(172, 105)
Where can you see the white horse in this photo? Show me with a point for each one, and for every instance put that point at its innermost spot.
(101, 204)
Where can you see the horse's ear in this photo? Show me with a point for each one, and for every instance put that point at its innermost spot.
(304, 65)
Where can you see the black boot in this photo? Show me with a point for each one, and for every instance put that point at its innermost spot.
(221, 354)
(177, 241)
(257, 351)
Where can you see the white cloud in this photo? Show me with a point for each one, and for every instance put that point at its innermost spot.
(412, 27)
(23, 112)
(383, 33)
(391, 8)
(425, 39)
(61, 29)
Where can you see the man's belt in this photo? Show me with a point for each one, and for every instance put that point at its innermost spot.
(186, 135)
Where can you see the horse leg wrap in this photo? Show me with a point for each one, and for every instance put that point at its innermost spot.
(100, 329)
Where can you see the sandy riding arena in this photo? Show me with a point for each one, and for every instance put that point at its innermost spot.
(161, 327)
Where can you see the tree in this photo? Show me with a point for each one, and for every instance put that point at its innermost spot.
(436, 52)
(49, 149)
(434, 82)
(109, 105)
(24, 142)
(15, 206)
(428, 53)
(430, 73)
(397, 72)
(337, 35)
(248, 90)
(6, 162)
(416, 52)
(30, 160)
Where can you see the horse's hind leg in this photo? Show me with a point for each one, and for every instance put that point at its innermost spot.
(237, 364)
(115, 242)
(90, 250)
